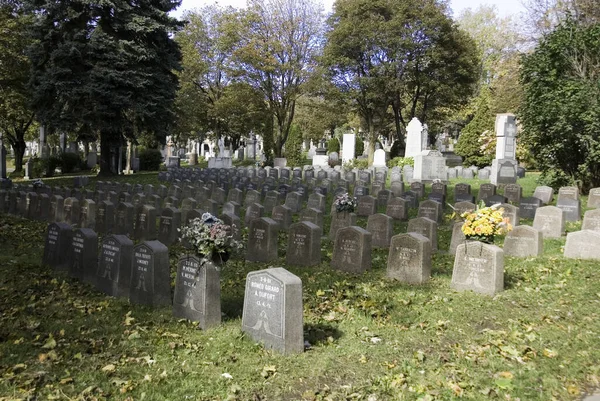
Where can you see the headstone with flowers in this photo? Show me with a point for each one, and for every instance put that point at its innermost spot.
(342, 213)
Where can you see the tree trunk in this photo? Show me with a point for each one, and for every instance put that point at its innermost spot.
(105, 142)
(19, 149)
(372, 139)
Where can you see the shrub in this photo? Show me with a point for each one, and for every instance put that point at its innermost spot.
(356, 163)
(397, 150)
(333, 145)
(293, 147)
(150, 159)
(69, 162)
(401, 162)
(45, 167)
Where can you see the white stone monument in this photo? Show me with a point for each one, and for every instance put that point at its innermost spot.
(414, 138)
(504, 165)
(379, 158)
(348, 147)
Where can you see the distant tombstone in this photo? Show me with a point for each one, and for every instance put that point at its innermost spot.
(367, 205)
(71, 211)
(478, 267)
(418, 188)
(304, 244)
(568, 193)
(544, 193)
(486, 191)
(409, 259)
(197, 292)
(467, 174)
(232, 207)
(57, 246)
(293, 200)
(430, 165)
(87, 214)
(528, 206)
(494, 200)
(483, 174)
(458, 237)
(340, 220)
(145, 224)
(273, 311)
(124, 219)
(397, 188)
(113, 276)
(262, 240)
(584, 244)
(150, 276)
(252, 196)
(352, 250)
(414, 140)
(105, 217)
(211, 207)
(381, 228)
(379, 158)
(511, 213)
(317, 201)
(383, 197)
(594, 198)
(504, 171)
(312, 215)
(513, 193)
(253, 211)
(235, 195)
(169, 225)
(84, 255)
(234, 223)
(42, 212)
(219, 195)
(591, 220)
(271, 200)
(571, 207)
(397, 209)
(550, 220)
(376, 187)
(359, 191)
(282, 216)
(524, 242)
(425, 227)
(430, 209)
(411, 198)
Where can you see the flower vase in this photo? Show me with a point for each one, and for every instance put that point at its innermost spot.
(219, 258)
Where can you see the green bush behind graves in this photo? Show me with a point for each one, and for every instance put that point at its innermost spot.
(150, 159)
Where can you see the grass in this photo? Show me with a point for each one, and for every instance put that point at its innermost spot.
(370, 338)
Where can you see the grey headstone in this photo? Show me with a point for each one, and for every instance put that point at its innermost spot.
(71, 211)
(425, 227)
(397, 187)
(544, 193)
(169, 225)
(114, 270)
(550, 220)
(283, 216)
(584, 244)
(397, 209)
(528, 207)
(513, 193)
(312, 215)
(418, 188)
(197, 292)
(150, 275)
(352, 250)
(57, 246)
(430, 209)
(568, 193)
(84, 255)
(409, 259)
(594, 198)
(87, 214)
(340, 220)
(367, 205)
(145, 224)
(478, 267)
(458, 237)
(486, 191)
(524, 242)
(591, 220)
(571, 207)
(262, 240)
(253, 211)
(273, 312)
(105, 217)
(304, 244)
(381, 228)
(512, 213)
(124, 219)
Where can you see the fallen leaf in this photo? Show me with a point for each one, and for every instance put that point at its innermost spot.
(50, 343)
(109, 368)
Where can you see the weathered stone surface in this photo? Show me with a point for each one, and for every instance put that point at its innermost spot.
(591, 220)
(425, 227)
(57, 247)
(409, 259)
(262, 240)
(478, 267)
(458, 237)
(304, 244)
(528, 206)
(352, 250)
(340, 220)
(273, 312)
(114, 270)
(550, 220)
(150, 276)
(544, 193)
(397, 209)
(197, 292)
(584, 244)
(84, 255)
(381, 227)
(524, 242)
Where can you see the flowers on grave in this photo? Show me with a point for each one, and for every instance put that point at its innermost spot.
(210, 238)
(345, 203)
(484, 223)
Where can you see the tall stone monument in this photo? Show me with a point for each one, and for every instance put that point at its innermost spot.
(348, 147)
(414, 138)
(504, 165)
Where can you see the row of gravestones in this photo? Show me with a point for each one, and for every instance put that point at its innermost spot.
(272, 311)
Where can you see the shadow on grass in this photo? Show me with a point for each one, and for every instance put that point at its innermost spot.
(321, 333)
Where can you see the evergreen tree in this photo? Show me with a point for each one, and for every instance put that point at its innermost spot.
(107, 67)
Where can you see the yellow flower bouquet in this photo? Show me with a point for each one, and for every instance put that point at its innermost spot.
(485, 223)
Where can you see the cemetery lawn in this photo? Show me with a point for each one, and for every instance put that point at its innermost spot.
(370, 338)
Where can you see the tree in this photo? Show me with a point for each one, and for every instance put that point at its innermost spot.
(276, 55)
(560, 114)
(472, 141)
(106, 65)
(407, 55)
(16, 117)
(543, 16)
